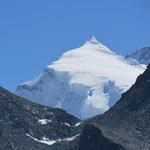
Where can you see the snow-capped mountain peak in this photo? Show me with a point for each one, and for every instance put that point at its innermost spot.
(93, 42)
(85, 81)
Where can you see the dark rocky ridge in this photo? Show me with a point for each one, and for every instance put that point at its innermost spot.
(19, 118)
(128, 122)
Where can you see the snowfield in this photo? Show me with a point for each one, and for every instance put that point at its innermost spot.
(85, 81)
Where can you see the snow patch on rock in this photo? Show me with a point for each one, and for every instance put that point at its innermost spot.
(44, 121)
(47, 141)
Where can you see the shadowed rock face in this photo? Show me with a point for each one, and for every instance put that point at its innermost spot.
(92, 139)
(22, 121)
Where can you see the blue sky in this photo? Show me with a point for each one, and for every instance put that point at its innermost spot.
(33, 33)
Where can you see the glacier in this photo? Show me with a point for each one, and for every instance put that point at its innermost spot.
(85, 81)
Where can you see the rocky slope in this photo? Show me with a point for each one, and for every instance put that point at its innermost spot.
(85, 81)
(29, 126)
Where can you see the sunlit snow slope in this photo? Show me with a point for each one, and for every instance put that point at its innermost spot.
(85, 81)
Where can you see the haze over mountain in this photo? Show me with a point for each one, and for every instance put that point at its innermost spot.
(85, 81)
(142, 55)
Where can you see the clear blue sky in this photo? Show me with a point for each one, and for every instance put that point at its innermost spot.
(33, 33)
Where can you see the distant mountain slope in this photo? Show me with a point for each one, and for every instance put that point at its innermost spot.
(142, 55)
(28, 126)
(85, 81)
(126, 125)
